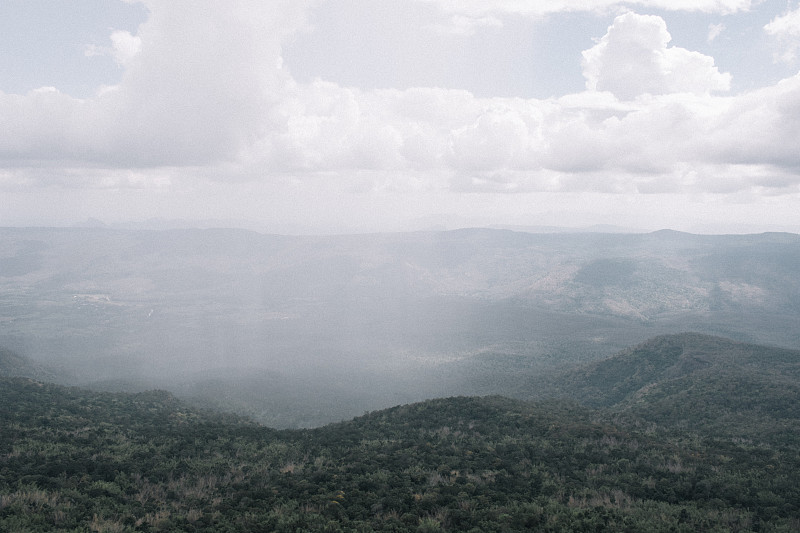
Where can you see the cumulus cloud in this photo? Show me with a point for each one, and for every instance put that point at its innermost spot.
(202, 91)
(206, 77)
(325, 127)
(200, 80)
(633, 58)
(786, 29)
(501, 138)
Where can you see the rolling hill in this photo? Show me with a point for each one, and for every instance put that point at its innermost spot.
(72, 459)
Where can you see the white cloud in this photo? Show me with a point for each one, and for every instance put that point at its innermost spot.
(759, 128)
(714, 31)
(205, 78)
(37, 125)
(633, 59)
(125, 46)
(538, 8)
(786, 29)
(501, 138)
(323, 127)
(200, 89)
(465, 26)
(201, 96)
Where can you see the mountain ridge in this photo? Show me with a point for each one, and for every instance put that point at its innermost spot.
(691, 379)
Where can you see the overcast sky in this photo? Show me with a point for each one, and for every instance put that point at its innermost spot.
(364, 115)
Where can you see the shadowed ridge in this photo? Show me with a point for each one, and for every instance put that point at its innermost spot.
(693, 380)
(14, 365)
(611, 381)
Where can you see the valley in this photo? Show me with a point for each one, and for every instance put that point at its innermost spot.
(342, 324)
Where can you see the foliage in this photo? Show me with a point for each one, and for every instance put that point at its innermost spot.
(74, 460)
(705, 383)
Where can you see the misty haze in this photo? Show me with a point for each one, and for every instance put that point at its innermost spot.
(300, 331)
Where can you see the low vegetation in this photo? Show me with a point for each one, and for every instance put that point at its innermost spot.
(75, 460)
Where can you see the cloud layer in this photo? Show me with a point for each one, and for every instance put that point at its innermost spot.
(204, 89)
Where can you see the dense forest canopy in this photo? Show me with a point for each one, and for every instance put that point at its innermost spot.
(76, 460)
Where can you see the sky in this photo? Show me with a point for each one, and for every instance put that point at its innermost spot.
(338, 116)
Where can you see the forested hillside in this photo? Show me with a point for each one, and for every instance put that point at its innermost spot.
(74, 460)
